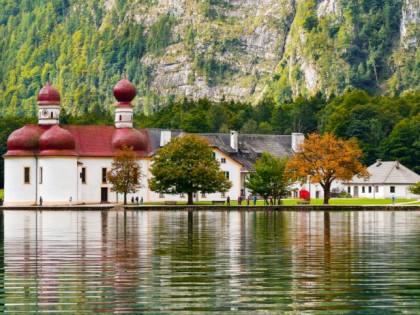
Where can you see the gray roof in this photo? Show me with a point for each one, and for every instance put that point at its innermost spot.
(391, 172)
(250, 147)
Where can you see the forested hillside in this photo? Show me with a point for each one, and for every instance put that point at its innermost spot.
(244, 50)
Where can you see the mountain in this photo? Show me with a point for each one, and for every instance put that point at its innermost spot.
(219, 49)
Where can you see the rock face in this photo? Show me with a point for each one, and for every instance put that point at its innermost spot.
(243, 38)
(249, 42)
(233, 49)
(410, 23)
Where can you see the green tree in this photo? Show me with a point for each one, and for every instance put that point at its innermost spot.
(187, 165)
(415, 188)
(270, 177)
(125, 173)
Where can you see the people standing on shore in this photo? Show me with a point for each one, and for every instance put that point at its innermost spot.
(255, 200)
(228, 200)
(40, 201)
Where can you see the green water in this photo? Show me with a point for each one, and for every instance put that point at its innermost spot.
(210, 262)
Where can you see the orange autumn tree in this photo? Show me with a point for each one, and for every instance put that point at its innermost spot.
(325, 158)
(125, 173)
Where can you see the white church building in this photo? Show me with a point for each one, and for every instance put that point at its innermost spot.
(65, 164)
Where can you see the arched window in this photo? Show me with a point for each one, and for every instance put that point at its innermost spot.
(120, 117)
(52, 115)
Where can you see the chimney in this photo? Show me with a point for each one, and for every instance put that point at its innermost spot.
(378, 162)
(297, 140)
(165, 137)
(234, 140)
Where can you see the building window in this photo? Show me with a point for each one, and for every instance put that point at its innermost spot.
(392, 189)
(52, 115)
(376, 188)
(104, 175)
(203, 195)
(83, 175)
(363, 189)
(370, 189)
(227, 175)
(41, 175)
(214, 154)
(161, 195)
(182, 195)
(26, 177)
(223, 160)
(349, 189)
(223, 195)
(120, 117)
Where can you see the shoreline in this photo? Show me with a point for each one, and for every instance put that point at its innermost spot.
(215, 208)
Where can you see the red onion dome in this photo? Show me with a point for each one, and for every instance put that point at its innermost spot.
(129, 137)
(57, 141)
(24, 140)
(48, 95)
(124, 91)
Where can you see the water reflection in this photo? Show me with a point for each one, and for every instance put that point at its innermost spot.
(215, 262)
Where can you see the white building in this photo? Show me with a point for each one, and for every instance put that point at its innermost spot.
(387, 179)
(63, 164)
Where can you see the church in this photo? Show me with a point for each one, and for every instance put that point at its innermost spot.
(67, 164)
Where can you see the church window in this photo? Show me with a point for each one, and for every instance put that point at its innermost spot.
(104, 175)
(83, 175)
(120, 117)
(26, 177)
(52, 115)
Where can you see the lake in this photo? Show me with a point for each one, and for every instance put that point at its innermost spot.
(210, 262)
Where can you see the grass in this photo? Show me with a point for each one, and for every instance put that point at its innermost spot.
(293, 202)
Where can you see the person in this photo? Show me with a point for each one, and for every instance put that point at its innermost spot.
(228, 200)
(137, 199)
(247, 201)
(393, 199)
(255, 200)
(132, 199)
(239, 200)
(141, 200)
(40, 200)
(70, 200)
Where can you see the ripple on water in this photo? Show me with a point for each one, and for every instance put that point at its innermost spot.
(210, 262)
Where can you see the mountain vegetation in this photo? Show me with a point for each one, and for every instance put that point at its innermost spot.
(243, 50)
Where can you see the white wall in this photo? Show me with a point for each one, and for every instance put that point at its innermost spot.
(59, 180)
(382, 191)
(90, 192)
(16, 192)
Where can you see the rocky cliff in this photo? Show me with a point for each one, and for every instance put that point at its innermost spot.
(236, 49)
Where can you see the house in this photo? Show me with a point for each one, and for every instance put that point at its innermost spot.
(387, 179)
(65, 164)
